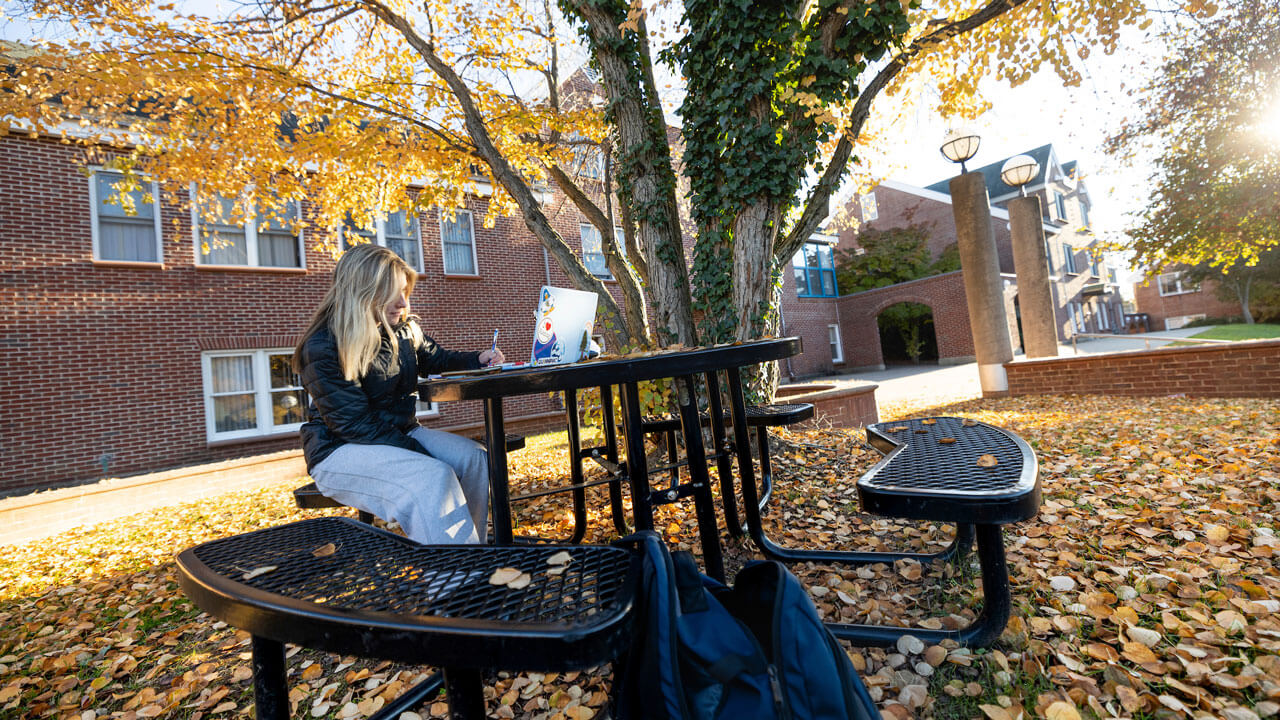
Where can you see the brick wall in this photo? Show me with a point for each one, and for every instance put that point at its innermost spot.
(1244, 369)
(1147, 299)
(944, 294)
(809, 319)
(103, 362)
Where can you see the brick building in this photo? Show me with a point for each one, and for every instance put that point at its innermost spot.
(1170, 300)
(126, 347)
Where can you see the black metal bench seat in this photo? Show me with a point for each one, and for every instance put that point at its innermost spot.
(342, 586)
(931, 471)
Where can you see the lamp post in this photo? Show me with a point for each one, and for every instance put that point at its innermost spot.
(1035, 299)
(979, 264)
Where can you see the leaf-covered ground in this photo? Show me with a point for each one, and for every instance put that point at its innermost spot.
(1147, 587)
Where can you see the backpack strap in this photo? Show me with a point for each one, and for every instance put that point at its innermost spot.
(689, 587)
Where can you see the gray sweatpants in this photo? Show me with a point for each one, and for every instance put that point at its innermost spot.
(439, 499)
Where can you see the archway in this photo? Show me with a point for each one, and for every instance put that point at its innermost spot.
(907, 334)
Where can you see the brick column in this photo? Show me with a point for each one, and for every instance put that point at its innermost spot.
(1039, 328)
(980, 265)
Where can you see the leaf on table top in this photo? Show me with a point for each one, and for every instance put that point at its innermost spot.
(946, 441)
(987, 460)
(968, 422)
(502, 576)
(251, 574)
(561, 558)
(324, 550)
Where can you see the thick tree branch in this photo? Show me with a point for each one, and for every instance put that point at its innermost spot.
(615, 321)
(815, 205)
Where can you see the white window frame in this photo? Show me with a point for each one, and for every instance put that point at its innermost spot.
(250, 228)
(427, 408)
(837, 347)
(1057, 207)
(1104, 321)
(588, 159)
(583, 230)
(380, 235)
(1069, 259)
(867, 204)
(1177, 282)
(261, 392)
(1077, 316)
(471, 229)
(94, 219)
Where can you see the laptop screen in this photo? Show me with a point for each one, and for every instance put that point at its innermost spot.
(565, 320)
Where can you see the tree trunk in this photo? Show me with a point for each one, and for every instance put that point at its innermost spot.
(1242, 292)
(646, 179)
(754, 231)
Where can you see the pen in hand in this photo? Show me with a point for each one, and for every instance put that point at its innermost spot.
(494, 349)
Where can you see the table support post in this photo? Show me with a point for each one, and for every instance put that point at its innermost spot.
(496, 440)
(703, 503)
(997, 603)
(724, 469)
(575, 467)
(637, 465)
(465, 691)
(611, 453)
(270, 693)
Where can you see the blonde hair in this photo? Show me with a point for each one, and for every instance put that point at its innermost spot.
(354, 309)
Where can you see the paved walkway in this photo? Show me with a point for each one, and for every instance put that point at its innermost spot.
(942, 384)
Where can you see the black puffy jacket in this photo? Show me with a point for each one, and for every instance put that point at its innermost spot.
(380, 408)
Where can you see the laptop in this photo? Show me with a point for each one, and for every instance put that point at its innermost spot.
(565, 320)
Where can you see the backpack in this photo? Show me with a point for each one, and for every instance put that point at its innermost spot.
(756, 651)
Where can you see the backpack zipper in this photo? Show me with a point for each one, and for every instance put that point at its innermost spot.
(779, 703)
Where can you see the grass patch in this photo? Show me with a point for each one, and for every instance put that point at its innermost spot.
(1257, 331)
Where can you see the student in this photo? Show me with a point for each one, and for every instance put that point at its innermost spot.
(359, 361)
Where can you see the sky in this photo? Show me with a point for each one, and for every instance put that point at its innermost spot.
(1076, 120)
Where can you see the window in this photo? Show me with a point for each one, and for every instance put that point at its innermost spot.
(265, 239)
(458, 238)
(869, 209)
(588, 160)
(815, 271)
(1077, 316)
(1095, 265)
(837, 349)
(1173, 283)
(397, 231)
(250, 393)
(593, 250)
(1104, 322)
(1068, 259)
(1048, 255)
(125, 221)
(1058, 207)
(428, 407)
(1084, 214)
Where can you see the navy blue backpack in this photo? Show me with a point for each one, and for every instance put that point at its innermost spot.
(756, 651)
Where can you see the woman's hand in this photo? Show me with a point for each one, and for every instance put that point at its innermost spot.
(492, 356)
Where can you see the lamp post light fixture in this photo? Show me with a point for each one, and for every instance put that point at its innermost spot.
(959, 145)
(1019, 170)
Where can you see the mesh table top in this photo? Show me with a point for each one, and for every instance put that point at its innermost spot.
(344, 586)
(932, 470)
